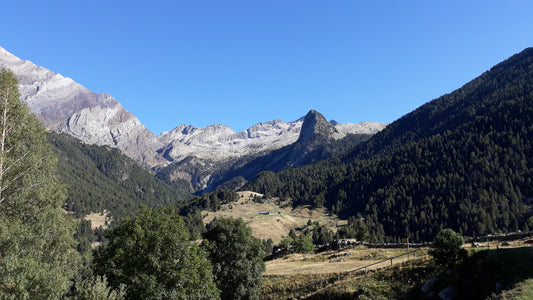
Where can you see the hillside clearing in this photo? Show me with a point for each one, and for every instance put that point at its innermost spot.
(97, 219)
(270, 219)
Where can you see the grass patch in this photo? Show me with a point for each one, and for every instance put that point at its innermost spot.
(520, 291)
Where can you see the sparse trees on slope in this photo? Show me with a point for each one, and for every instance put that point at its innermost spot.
(154, 257)
(236, 257)
(37, 252)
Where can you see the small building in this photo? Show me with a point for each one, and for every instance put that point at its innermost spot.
(341, 223)
(266, 213)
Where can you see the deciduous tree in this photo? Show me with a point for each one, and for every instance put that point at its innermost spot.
(304, 244)
(447, 248)
(38, 258)
(152, 255)
(236, 257)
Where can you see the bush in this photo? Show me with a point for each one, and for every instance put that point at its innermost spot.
(447, 249)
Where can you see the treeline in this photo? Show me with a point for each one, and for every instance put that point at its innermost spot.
(463, 161)
(102, 178)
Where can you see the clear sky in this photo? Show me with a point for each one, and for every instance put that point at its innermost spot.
(242, 62)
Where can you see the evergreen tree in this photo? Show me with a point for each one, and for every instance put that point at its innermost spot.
(236, 257)
(38, 258)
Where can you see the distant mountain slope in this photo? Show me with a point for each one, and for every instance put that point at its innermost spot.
(101, 178)
(219, 142)
(316, 140)
(463, 161)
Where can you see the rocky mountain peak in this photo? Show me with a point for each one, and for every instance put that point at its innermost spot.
(314, 126)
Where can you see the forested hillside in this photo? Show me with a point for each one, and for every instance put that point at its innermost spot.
(102, 178)
(463, 161)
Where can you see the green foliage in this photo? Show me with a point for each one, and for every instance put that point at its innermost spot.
(268, 246)
(530, 222)
(236, 257)
(195, 223)
(463, 161)
(356, 229)
(292, 234)
(304, 244)
(322, 235)
(489, 271)
(210, 201)
(102, 178)
(37, 252)
(153, 256)
(85, 236)
(97, 289)
(286, 244)
(446, 248)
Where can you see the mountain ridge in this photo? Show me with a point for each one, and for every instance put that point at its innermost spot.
(66, 106)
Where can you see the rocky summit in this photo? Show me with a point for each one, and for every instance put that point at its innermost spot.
(66, 106)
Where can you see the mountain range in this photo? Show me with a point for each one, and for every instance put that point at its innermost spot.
(67, 107)
(462, 161)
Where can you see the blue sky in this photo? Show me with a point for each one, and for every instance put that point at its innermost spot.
(242, 62)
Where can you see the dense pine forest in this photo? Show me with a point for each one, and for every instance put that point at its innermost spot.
(463, 161)
(102, 178)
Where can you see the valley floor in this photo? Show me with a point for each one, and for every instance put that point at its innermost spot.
(327, 275)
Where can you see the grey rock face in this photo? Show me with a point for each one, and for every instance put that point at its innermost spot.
(66, 106)
(315, 126)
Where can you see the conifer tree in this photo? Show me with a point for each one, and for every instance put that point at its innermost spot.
(37, 251)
